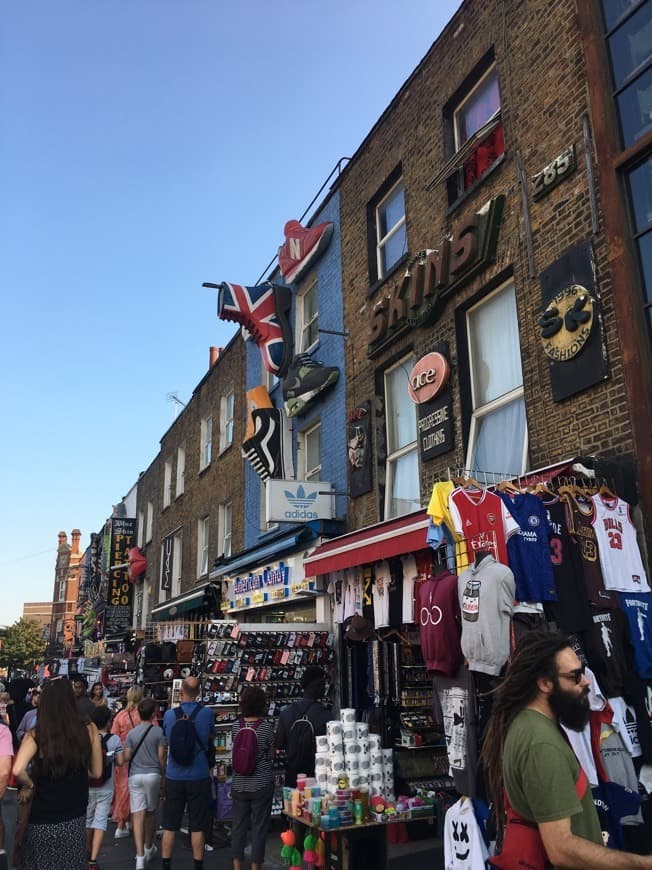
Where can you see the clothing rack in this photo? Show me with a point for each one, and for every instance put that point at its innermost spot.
(487, 478)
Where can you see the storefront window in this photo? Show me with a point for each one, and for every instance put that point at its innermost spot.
(402, 469)
(640, 193)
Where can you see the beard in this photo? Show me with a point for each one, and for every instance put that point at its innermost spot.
(571, 710)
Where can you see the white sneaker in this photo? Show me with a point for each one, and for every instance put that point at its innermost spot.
(120, 833)
(150, 853)
(140, 862)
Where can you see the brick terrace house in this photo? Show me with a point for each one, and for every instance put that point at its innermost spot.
(64, 598)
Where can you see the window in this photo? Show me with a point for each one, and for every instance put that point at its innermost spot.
(225, 520)
(307, 319)
(181, 470)
(227, 414)
(640, 196)
(150, 522)
(206, 443)
(477, 133)
(402, 493)
(391, 239)
(62, 590)
(140, 534)
(167, 484)
(310, 446)
(498, 434)
(202, 546)
(176, 565)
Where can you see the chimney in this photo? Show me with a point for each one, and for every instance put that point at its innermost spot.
(213, 355)
(76, 535)
(63, 539)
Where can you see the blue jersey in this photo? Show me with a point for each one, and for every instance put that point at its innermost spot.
(529, 550)
(637, 607)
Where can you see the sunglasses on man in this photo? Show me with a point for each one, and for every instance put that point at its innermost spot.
(576, 674)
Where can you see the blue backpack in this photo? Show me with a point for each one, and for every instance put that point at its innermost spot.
(184, 740)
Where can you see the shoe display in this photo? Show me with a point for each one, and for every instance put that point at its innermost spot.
(304, 381)
(257, 397)
(302, 248)
(269, 449)
(264, 311)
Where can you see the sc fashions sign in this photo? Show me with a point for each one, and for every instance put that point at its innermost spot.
(298, 501)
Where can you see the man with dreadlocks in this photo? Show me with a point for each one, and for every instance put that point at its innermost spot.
(526, 756)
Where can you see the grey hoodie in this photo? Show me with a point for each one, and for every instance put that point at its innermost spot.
(486, 594)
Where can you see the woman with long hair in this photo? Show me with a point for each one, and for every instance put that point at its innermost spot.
(123, 723)
(52, 766)
(97, 695)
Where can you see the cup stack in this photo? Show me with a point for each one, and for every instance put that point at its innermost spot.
(388, 773)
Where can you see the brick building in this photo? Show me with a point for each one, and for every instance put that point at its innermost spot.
(449, 154)
(39, 611)
(64, 598)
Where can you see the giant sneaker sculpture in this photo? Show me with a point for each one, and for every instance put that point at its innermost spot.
(302, 247)
(304, 381)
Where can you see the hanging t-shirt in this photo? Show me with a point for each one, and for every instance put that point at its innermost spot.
(484, 522)
(624, 720)
(410, 574)
(620, 557)
(580, 741)
(464, 846)
(571, 611)
(438, 612)
(353, 590)
(382, 579)
(637, 607)
(336, 591)
(581, 518)
(529, 550)
(441, 530)
(608, 650)
(367, 593)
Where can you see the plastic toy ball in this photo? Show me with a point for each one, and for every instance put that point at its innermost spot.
(288, 838)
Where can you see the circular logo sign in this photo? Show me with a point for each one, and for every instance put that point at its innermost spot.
(428, 377)
(566, 323)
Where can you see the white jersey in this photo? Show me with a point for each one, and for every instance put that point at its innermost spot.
(380, 594)
(620, 557)
(410, 574)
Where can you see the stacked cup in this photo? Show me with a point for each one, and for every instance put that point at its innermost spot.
(388, 773)
(335, 753)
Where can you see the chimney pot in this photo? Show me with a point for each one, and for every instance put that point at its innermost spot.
(213, 355)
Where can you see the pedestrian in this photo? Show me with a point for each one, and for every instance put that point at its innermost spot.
(300, 723)
(253, 794)
(100, 792)
(52, 766)
(29, 719)
(84, 704)
(97, 695)
(123, 723)
(189, 729)
(145, 752)
(6, 758)
(525, 753)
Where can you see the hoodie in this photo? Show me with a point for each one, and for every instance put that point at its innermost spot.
(486, 594)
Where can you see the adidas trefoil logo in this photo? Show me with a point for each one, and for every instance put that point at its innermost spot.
(301, 501)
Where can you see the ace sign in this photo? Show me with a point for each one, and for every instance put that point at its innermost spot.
(429, 390)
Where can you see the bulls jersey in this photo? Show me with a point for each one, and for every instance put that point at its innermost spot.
(484, 522)
(529, 550)
(571, 611)
(620, 558)
(581, 517)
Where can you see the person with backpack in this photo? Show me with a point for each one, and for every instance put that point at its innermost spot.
(300, 723)
(145, 752)
(189, 729)
(252, 787)
(100, 790)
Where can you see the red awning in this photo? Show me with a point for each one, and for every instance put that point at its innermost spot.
(392, 538)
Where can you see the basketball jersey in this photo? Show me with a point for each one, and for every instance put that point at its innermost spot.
(620, 558)
(584, 534)
(484, 522)
(571, 611)
(529, 550)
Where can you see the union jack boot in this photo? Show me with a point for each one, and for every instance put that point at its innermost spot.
(263, 310)
(302, 247)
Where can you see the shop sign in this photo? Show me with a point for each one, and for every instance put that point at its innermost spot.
(271, 584)
(358, 448)
(561, 167)
(428, 377)
(431, 276)
(570, 325)
(167, 560)
(117, 617)
(298, 501)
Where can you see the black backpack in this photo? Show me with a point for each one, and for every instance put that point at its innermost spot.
(184, 739)
(301, 744)
(107, 765)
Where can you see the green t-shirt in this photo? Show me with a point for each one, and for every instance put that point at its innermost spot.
(540, 771)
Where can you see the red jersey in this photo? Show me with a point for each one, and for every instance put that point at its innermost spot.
(483, 520)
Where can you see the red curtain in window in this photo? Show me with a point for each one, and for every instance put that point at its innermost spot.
(484, 156)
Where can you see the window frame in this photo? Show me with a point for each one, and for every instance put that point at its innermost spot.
(225, 510)
(508, 398)
(412, 447)
(459, 105)
(203, 543)
(140, 529)
(149, 522)
(313, 473)
(206, 442)
(181, 471)
(303, 325)
(380, 242)
(227, 420)
(167, 483)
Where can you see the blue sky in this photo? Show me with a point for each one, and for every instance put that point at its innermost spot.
(145, 147)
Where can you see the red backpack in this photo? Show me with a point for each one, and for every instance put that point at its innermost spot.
(244, 755)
